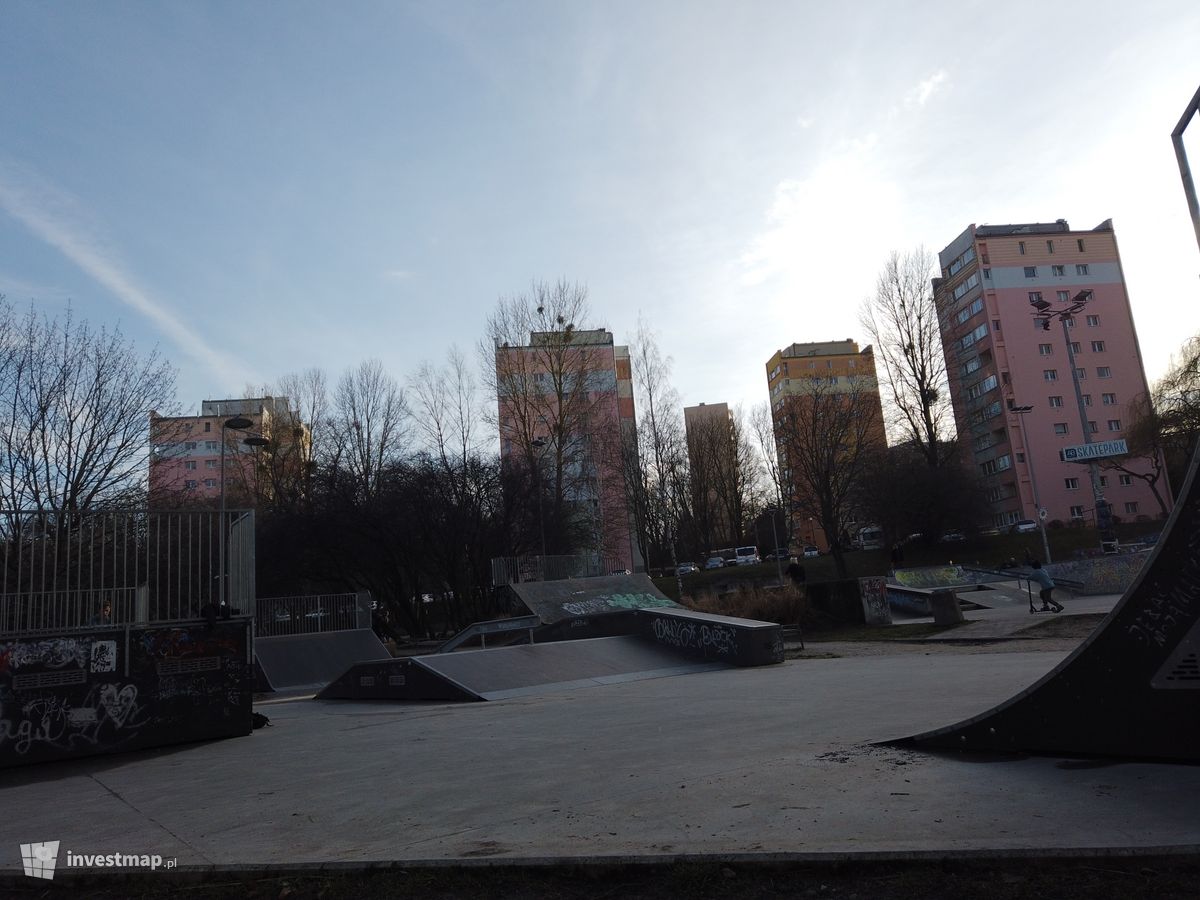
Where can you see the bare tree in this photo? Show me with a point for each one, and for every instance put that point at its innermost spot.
(548, 368)
(903, 324)
(827, 435)
(369, 426)
(661, 468)
(762, 428)
(76, 405)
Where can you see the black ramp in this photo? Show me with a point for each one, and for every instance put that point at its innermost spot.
(554, 601)
(537, 668)
(313, 660)
(1132, 689)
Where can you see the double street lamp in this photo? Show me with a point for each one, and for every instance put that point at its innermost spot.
(237, 423)
(1043, 313)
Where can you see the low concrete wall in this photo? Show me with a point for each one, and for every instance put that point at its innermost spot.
(113, 689)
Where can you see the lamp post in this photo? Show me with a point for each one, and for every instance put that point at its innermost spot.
(237, 423)
(1021, 412)
(540, 443)
(1043, 313)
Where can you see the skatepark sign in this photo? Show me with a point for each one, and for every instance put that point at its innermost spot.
(1098, 450)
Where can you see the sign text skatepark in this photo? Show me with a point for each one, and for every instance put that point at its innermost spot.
(1098, 450)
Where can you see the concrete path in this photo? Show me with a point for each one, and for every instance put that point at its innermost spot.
(769, 762)
(1006, 614)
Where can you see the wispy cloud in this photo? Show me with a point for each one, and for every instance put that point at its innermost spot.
(398, 274)
(920, 95)
(61, 221)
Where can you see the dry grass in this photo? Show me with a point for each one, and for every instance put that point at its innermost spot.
(786, 605)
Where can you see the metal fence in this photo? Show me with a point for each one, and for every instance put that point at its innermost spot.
(312, 613)
(79, 569)
(517, 569)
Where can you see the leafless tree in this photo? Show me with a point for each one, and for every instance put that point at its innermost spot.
(762, 428)
(547, 365)
(661, 461)
(369, 426)
(76, 408)
(903, 324)
(827, 435)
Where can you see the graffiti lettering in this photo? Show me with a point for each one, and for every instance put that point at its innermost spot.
(719, 639)
(610, 602)
(53, 654)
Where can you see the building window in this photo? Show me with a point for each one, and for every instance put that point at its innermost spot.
(1109, 399)
(1059, 270)
(210, 445)
(210, 464)
(189, 445)
(1081, 374)
(1097, 346)
(1103, 372)
(1103, 481)
(1064, 296)
(1093, 321)
(1070, 320)
(208, 426)
(190, 485)
(1094, 427)
(1050, 374)
(190, 464)
(1076, 512)
(1035, 297)
(1056, 401)
(1061, 428)
(1131, 507)
(1021, 247)
(1114, 424)
(1080, 243)
(210, 482)
(1046, 349)
(1072, 484)
(1049, 246)
(1031, 271)
(1020, 457)
(1087, 399)
(987, 274)
(1075, 347)
(1081, 269)
(1126, 480)
(995, 324)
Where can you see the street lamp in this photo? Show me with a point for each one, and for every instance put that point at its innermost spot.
(540, 443)
(1021, 412)
(237, 423)
(1043, 313)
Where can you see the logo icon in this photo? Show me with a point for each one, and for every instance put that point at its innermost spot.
(40, 859)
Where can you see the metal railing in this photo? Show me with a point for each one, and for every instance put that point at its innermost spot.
(312, 613)
(71, 570)
(518, 569)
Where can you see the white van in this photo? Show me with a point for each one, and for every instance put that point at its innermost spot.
(747, 556)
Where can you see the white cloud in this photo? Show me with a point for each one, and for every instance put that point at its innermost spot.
(920, 95)
(60, 220)
(398, 274)
(806, 121)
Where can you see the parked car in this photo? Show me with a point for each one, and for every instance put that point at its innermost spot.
(747, 556)
(953, 537)
(1025, 526)
(811, 552)
(780, 553)
(715, 562)
(687, 568)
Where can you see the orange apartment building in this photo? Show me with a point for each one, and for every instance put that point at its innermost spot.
(794, 375)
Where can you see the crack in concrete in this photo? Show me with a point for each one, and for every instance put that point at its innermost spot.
(116, 795)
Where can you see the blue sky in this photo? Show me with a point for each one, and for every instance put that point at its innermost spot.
(262, 187)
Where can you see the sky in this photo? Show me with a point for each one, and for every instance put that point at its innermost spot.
(259, 188)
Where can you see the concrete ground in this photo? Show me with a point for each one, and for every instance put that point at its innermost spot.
(776, 762)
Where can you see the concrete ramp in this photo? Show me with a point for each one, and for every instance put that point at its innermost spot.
(512, 671)
(575, 598)
(295, 661)
(1132, 689)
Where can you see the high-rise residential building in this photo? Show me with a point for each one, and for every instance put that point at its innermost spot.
(568, 395)
(808, 376)
(715, 476)
(186, 458)
(1000, 356)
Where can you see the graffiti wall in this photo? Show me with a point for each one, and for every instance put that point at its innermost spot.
(739, 642)
(1102, 574)
(874, 594)
(122, 688)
